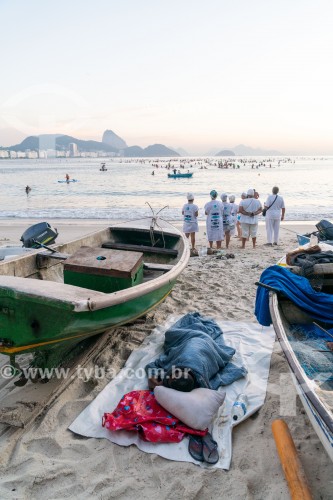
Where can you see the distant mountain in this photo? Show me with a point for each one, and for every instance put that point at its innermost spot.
(44, 141)
(60, 143)
(182, 152)
(242, 150)
(159, 150)
(156, 150)
(212, 152)
(225, 152)
(112, 139)
(133, 152)
(112, 143)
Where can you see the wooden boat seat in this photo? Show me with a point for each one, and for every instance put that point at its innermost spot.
(157, 267)
(47, 290)
(141, 248)
(44, 259)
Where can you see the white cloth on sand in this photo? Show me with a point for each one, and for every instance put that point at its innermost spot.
(253, 344)
(214, 221)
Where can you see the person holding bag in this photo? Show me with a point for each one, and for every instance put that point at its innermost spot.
(274, 211)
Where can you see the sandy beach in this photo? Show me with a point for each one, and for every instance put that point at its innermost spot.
(48, 461)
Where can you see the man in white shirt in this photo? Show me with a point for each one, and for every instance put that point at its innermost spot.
(249, 209)
(275, 211)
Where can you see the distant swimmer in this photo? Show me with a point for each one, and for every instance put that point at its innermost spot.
(27, 189)
(153, 173)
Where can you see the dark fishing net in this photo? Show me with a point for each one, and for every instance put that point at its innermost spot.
(317, 282)
(307, 342)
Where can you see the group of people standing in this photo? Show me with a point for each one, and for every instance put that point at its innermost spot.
(224, 217)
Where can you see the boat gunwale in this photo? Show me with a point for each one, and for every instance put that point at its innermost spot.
(300, 377)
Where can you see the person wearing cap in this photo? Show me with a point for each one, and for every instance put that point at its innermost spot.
(233, 214)
(249, 209)
(190, 226)
(226, 218)
(238, 225)
(214, 221)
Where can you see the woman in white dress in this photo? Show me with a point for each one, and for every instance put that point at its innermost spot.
(226, 218)
(214, 221)
(190, 226)
(238, 225)
(233, 214)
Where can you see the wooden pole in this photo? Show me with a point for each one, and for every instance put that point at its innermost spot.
(291, 465)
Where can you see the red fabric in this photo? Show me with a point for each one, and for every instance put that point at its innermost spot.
(139, 411)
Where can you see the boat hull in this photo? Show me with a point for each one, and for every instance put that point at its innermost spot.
(55, 323)
(176, 176)
(317, 410)
(321, 429)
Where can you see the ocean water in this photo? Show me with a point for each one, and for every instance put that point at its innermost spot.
(124, 191)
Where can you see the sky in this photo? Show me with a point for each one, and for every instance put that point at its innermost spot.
(200, 75)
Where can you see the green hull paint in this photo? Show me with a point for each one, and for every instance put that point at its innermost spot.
(28, 322)
(106, 284)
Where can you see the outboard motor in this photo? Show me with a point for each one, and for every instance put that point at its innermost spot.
(39, 234)
(325, 230)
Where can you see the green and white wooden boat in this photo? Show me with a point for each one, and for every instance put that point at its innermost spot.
(51, 301)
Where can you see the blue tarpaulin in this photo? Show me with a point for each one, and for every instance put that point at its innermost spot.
(319, 305)
(197, 343)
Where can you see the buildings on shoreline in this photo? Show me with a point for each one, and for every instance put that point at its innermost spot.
(73, 152)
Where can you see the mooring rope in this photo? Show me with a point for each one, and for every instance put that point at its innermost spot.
(154, 218)
(154, 224)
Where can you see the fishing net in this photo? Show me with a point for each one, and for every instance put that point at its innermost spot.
(307, 342)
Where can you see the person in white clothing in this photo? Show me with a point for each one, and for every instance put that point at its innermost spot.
(275, 210)
(226, 218)
(238, 225)
(214, 221)
(233, 214)
(190, 226)
(249, 210)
